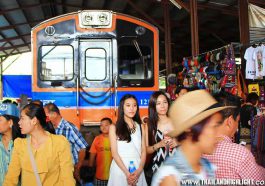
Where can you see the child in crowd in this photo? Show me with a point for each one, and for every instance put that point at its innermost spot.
(180, 91)
(100, 150)
(87, 174)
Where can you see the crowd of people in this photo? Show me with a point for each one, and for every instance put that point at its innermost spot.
(191, 138)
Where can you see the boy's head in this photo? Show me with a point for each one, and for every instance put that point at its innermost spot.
(104, 125)
(180, 91)
(87, 174)
(253, 98)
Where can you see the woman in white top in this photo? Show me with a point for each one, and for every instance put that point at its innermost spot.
(127, 144)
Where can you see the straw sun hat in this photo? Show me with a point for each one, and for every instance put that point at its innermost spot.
(192, 108)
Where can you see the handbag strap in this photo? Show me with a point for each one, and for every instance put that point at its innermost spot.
(33, 163)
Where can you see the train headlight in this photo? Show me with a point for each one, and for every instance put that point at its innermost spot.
(95, 19)
(88, 18)
(103, 18)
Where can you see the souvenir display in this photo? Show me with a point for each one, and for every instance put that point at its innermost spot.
(211, 70)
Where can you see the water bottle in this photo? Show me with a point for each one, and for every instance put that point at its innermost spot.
(132, 167)
(168, 139)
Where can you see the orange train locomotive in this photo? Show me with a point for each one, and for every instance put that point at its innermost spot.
(86, 61)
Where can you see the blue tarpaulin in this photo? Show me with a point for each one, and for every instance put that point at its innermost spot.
(15, 85)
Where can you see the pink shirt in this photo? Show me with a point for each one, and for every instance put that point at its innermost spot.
(234, 161)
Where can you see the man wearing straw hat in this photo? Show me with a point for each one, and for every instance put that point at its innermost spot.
(195, 117)
(233, 161)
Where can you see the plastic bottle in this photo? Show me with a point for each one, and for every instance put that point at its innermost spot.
(132, 167)
(168, 139)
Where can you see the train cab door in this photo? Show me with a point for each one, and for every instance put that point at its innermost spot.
(94, 96)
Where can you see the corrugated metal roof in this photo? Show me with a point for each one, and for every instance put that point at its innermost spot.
(218, 20)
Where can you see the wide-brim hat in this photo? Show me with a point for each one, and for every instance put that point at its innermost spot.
(190, 109)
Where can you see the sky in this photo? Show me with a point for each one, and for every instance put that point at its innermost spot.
(20, 64)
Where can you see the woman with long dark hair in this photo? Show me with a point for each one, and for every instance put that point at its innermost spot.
(127, 145)
(9, 131)
(42, 158)
(195, 117)
(159, 124)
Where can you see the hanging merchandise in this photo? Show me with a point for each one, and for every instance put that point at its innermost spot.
(212, 70)
(258, 139)
(258, 57)
(255, 61)
(250, 63)
(253, 88)
(242, 90)
(229, 81)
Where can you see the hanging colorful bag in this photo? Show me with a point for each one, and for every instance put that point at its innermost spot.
(241, 85)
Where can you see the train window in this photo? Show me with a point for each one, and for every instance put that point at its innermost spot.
(96, 67)
(135, 64)
(57, 63)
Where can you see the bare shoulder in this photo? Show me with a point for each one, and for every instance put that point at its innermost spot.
(169, 180)
(112, 127)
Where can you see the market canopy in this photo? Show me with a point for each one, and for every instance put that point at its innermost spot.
(256, 17)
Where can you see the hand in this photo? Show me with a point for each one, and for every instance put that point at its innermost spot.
(130, 179)
(78, 165)
(76, 174)
(135, 175)
(162, 143)
(173, 143)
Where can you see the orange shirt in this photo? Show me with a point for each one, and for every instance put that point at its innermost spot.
(101, 147)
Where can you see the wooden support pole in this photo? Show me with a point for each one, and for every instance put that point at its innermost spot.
(167, 37)
(244, 30)
(243, 21)
(194, 28)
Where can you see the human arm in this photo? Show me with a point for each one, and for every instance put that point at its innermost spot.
(169, 180)
(81, 158)
(92, 154)
(92, 158)
(14, 168)
(114, 151)
(139, 170)
(150, 149)
(78, 144)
